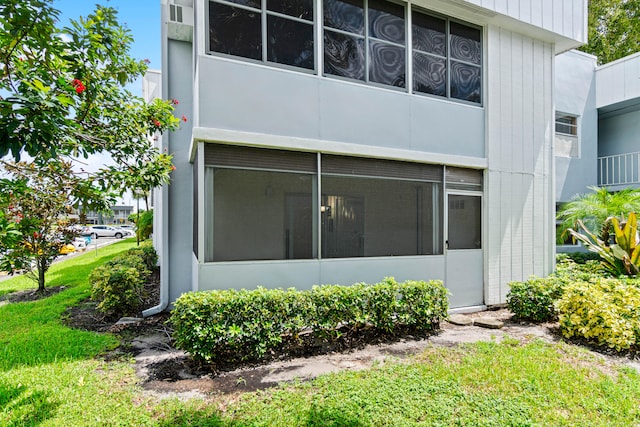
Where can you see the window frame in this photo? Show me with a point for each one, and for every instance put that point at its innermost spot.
(264, 52)
(573, 138)
(574, 125)
(319, 64)
(336, 167)
(448, 59)
(367, 38)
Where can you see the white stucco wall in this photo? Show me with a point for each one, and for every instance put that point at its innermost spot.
(575, 94)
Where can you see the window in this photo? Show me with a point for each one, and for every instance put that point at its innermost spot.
(447, 58)
(271, 205)
(281, 32)
(566, 138)
(566, 124)
(355, 50)
(367, 217)
(362, 40)
(175, 13)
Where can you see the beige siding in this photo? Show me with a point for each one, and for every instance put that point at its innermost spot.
(519, 199)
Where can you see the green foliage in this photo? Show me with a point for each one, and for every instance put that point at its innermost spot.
(606, 311)
(248, 324)
(621, 257)
(144, 224)
(594, 208)
(534, 299)
(614, 30)
(147, 253)
(119, 283)
(578, 257)
(68, 85)
(36, 201)
(64, 96)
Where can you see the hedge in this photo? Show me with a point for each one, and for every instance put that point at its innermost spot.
(247, 324)
(534, 299)
(606, 312)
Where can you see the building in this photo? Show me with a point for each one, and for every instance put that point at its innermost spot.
(119, 215)
(597, 125)
(342, 141)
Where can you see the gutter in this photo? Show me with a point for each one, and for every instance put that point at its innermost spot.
(164, 298)
(161, 221)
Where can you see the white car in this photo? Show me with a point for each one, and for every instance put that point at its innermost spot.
(107, 231)
(79, 243)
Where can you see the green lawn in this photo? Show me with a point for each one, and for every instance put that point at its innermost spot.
(50, 376)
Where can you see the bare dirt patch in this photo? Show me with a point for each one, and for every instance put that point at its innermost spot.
(31, 295)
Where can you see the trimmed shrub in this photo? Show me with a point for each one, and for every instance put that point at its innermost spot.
(534, 299)
(147, 253)
(246, 325)
(119, 283)
(607, 312)
(579, 257)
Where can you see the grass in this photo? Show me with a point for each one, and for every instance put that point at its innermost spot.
(484, 384)
(50, 376)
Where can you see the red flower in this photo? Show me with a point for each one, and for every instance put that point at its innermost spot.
(156, 123)
(36, 235)
(173, 167)
(174, 101)
(78, 86)
(184, 119)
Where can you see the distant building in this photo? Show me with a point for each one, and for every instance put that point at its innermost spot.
(118, 215)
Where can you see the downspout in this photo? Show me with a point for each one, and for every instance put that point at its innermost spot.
(161, 221)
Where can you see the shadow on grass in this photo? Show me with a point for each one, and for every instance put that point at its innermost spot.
(19, 408)
(32, 333)
(316, 417)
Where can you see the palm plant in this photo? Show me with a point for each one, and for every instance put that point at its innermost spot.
(593, 209)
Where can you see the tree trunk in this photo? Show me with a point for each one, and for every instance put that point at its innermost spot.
(41, 271)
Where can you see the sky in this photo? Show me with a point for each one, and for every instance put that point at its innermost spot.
(141, 17)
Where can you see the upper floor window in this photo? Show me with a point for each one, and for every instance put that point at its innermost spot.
(371, 49)
(566, 124)
(566, 138)
(279, 31)
(447, 58)
(363, 40)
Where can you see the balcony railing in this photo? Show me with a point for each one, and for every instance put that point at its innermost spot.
(619, 169)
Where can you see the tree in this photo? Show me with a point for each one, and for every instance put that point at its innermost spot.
(594, 208)
(38, 200)
(614, 29)
(144, 223)
(63, 96)
(66, 93)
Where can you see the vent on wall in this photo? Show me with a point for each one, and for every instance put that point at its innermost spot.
(175, 13)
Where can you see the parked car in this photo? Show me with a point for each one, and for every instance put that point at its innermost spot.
(96, 231)
(67, 249)
(80, 243)
(128, 228)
